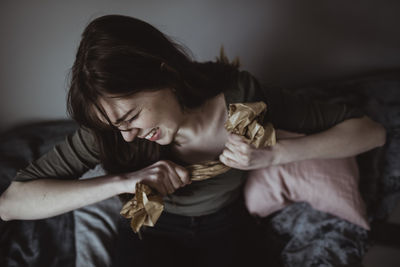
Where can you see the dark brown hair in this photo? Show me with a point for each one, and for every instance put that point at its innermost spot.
(119, 56)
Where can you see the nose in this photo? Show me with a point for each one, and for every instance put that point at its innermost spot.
(130, 135)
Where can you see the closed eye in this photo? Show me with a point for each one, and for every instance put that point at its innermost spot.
(134, 117)
(129, 121)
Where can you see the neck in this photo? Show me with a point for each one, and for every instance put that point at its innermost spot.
(200, 121)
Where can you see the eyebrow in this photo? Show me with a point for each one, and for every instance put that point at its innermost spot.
(119, 120)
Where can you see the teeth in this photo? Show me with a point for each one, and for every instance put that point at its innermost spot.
(151, 134)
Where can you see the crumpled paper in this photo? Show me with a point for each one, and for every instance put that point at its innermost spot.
(243, 119)
(144, 208)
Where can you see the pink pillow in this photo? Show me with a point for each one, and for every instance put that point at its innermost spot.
(328, 185)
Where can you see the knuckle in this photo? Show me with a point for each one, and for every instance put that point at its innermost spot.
(168, 163)
(163, 162)
(154, 177)
(157, 169)
(159, 172)
(157, 163)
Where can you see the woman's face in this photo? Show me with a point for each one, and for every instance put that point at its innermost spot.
(154, 115)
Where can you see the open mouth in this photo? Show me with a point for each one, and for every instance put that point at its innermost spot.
(153, 135)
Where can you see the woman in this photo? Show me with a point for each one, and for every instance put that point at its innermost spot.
(146, 110)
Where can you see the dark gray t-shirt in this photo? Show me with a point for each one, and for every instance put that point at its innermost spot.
(79, 152)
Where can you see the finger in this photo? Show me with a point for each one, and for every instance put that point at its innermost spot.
(228, 162)
(240, 142)
(237, 157)
(168, 185)
(240, 149)
(237, 138)
(183, 175)
(162, 190)
(159, 187)
(174, 177)
(240, 154)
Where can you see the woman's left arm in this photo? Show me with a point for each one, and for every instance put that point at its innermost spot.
(333, 130)
(348, 138)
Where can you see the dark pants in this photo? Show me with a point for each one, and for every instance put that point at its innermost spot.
(229, 237)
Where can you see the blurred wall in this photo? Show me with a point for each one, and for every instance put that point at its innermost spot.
(288, 43)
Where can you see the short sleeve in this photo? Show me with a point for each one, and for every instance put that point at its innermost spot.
(67, 160)
(294, 113)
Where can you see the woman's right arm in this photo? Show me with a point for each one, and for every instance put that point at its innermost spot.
(43, 198)
(52, 180)
(50, 185)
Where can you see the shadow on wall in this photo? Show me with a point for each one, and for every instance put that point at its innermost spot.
(323, 40)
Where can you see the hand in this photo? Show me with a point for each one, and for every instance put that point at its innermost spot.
(240, 155)
(164, 176)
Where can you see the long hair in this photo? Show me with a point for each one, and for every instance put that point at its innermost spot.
(119, 56)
